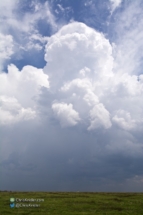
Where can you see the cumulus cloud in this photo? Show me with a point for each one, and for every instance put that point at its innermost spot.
(86, 85)
(99, 117)
(80, 78)
(11, 111)
(80, 73)
(74, 40)
(17, 92)
(90, 80)
(123, 120)
(65, 114)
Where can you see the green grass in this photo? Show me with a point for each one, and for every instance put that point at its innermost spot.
(75, 203)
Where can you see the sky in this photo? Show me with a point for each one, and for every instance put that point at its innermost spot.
(71, 95)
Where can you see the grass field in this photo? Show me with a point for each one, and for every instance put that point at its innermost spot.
(74, 203)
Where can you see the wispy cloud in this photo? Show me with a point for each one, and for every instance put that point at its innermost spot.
(21, 28)
(115, 4)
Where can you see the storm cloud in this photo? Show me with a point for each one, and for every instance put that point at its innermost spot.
(76, 123)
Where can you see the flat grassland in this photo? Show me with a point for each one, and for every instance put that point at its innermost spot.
(74, 203)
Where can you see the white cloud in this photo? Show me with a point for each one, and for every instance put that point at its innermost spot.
(78, 77)
(22, 84)
(26, 22)
(86, 83)
(123, 119)
(20, 28)
(87, 77)
(75, 39)
(115, 4)
(6, 46)
(60, 7)
(81, 74)
(7, 7)
(127, 86)
(18, 89)
(11, 111)
(100, 117)
(129, 39)
(65, 114)
(36, 41)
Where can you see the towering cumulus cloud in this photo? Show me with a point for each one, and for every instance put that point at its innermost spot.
(77, 122)
(79, 66)
(85, 84)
